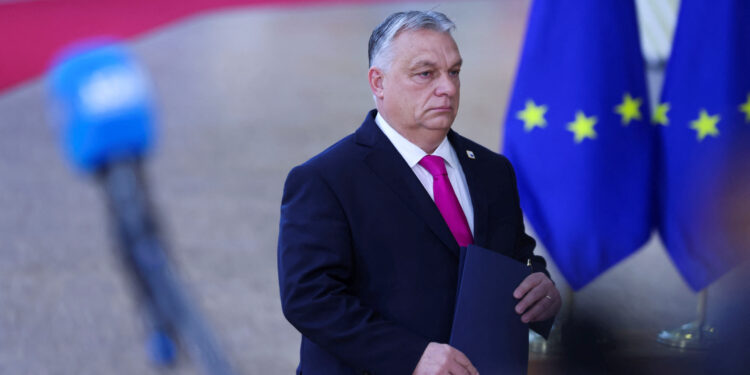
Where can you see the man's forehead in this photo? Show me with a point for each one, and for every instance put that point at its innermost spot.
(426, 47)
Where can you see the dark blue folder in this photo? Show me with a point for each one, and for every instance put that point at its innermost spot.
(485, 326)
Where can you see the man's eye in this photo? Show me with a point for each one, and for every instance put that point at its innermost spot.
(424, 74)
(455, 72)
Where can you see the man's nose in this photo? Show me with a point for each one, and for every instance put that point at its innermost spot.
(446, 84)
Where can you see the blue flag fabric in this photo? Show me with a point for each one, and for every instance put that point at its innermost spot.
(578, 134)
(705, 118)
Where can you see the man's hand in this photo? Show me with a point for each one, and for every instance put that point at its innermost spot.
(443, 359)
(540, 300)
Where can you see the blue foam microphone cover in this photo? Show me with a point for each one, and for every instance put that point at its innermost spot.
(102, 101)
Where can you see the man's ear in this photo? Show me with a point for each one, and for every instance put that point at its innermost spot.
(376, 76)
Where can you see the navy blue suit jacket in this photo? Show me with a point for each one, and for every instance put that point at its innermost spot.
(367, 265)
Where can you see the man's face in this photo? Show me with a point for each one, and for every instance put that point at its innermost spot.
(420, 90)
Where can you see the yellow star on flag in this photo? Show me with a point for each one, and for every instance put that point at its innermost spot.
(705, 125)
(745, 107)
(629, 109)
(660, 114)
(583, 127)
(532, 116)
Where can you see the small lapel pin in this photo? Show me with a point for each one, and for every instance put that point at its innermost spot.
(470, 154)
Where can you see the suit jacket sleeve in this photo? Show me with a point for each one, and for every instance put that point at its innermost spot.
(315, 260)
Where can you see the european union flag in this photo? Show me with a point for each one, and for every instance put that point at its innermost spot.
(705, 118)
(577, 132)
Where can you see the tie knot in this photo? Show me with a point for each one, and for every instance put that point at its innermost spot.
(434, 164)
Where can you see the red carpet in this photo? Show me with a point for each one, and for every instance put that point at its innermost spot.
(32, 32)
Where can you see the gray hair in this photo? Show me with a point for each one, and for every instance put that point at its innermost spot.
(383, 35)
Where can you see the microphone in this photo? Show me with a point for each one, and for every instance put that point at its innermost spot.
(102, 101)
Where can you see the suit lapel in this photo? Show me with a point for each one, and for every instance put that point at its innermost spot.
(472, 168)
(385, 161)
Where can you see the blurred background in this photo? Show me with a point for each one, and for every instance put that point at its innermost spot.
(244, 93)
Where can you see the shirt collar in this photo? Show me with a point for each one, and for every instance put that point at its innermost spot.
(411, 153)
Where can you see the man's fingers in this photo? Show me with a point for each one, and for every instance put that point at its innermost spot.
(457, 369)
(444, 359)
(531, 298)
(536, 311)
(464, 362)
(544, 308)
(529, 283)
(540, 299)
(460, 358)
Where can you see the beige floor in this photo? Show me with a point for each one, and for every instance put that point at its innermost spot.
(244, 95)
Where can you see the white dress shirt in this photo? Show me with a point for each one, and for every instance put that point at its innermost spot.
(412, 154)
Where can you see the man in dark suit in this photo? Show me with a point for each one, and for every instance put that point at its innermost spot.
(371, 228)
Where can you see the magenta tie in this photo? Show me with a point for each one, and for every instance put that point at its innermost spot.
(446, 201)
